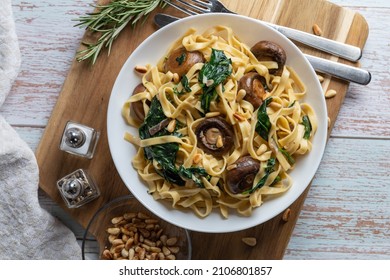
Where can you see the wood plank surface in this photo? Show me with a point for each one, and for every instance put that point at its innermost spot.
(86, 92)
(362, 123)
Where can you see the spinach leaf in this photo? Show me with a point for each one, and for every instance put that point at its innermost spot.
(268, 170)
(180, 59)
(263, 124)
(165, 154)
(308, 128)
(289, 158)
(193, 173)
(213, 73)
(184, 82)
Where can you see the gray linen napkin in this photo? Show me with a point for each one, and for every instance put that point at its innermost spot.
(26, 230)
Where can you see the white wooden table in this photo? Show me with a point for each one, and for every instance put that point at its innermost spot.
(347, 212)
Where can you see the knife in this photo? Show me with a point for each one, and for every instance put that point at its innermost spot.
(325, 66)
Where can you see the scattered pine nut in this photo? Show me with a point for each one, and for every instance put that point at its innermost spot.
(172, 125)
(250, 241)
(317, 30)
(197, 158)
(261, 150)
(328, 122)
(212, 114)
(219, 143)
(239, 117)
(320, 78)
(330, 93)
(240, 95)
(286, 215)
(140, 69)
(176, 78)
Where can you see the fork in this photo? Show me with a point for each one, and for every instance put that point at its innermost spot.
(194, 7)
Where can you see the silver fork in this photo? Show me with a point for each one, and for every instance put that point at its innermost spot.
(194, 7)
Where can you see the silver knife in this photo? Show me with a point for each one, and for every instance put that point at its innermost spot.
(335, 69)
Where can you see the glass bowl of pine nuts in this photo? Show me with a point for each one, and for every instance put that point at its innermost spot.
(124, 229)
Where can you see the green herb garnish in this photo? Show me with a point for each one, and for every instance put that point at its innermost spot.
(268, 170)
(185, 83)
(109, 20)
(181, 58)
(308, 128)
(213, 73)
(286, 154)
(263, 124)
(165, 154)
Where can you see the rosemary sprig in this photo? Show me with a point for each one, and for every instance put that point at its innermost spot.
(109, 20)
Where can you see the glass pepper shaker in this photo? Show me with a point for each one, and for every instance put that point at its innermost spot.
(78, 139)
(77, 188)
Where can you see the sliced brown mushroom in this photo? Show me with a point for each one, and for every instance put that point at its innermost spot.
(240, 178)
(266, 51)
(253, 84)
(180, 61)
(137, 108)
(215, 136)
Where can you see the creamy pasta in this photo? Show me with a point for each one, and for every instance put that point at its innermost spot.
(224, 130)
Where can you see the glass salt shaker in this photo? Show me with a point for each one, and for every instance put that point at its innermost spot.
(78, 139)
(77, 188)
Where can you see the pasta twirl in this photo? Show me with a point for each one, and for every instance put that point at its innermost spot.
(226, 133)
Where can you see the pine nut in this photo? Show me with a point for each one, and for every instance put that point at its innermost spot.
(129, 216)
(116, 220)
(250, 241)
(261, 150)
(212, 114)
(286, 215)
(317, 30)
(320, 78)
(176, 78)
(197, 158)
(330, 93)
(240, 95)
(171, 241)
(231, 166)
(239, 117)
(141, 69)
(219, 143)
(114, 231)
(171, 126)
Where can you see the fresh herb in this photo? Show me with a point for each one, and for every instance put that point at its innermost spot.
(292, 104)
(263, 124)
(268, 170)
(109, 20)
(213, 73)
(308, 128)
(185, 83)
(165, 154)
(193, 173)
(180, 59)
(289, 158)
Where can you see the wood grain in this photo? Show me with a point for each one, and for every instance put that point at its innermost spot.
(362, 124)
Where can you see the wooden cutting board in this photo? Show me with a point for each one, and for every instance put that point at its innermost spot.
(86, 92)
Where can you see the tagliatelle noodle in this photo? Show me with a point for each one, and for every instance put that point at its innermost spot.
(285, 136)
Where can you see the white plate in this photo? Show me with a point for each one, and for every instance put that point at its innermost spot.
(150, 51)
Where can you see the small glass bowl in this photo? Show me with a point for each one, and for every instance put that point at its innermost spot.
(102, 220)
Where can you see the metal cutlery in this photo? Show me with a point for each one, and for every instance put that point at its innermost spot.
(335, 69)
(193, 7)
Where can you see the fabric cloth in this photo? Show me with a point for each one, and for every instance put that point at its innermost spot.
(27, 231)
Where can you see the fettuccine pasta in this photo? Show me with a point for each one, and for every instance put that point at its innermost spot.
(223, 131)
